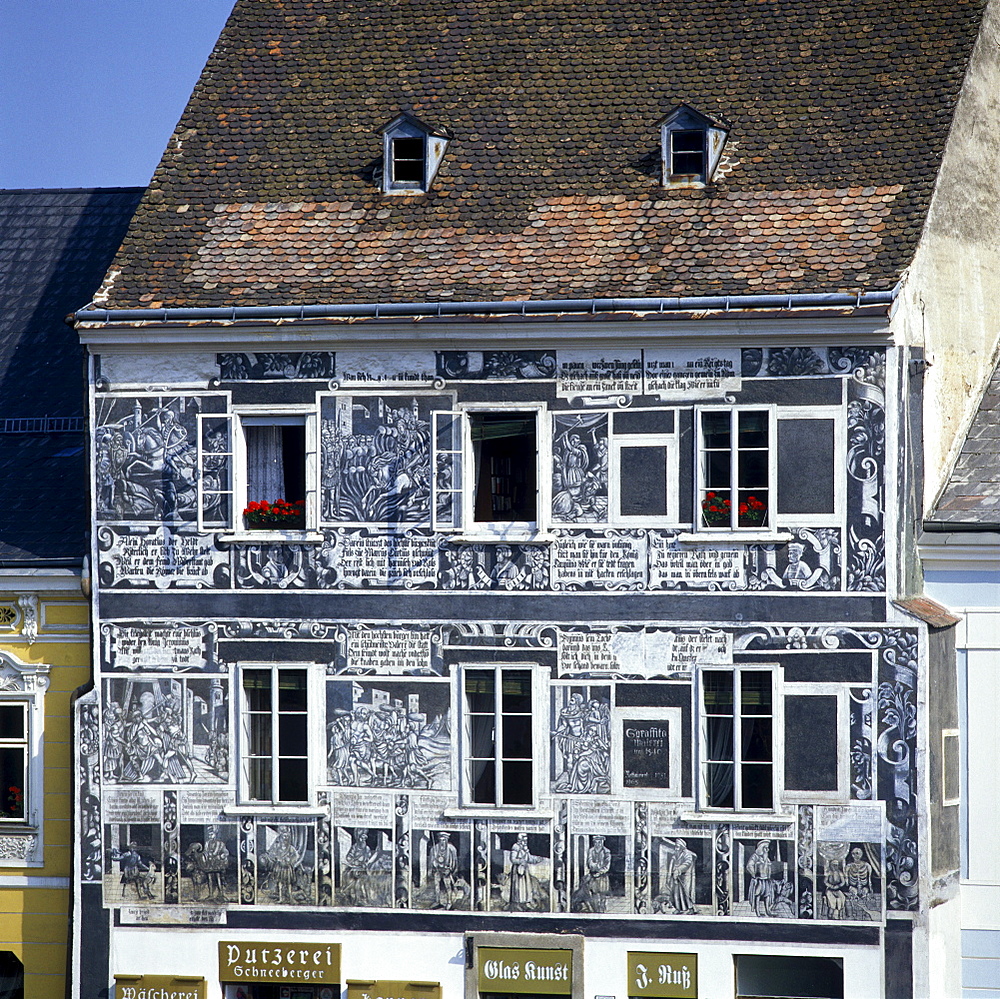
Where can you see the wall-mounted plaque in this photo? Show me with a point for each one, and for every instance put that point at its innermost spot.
(384, 989)
(645, 752)
(285, 962)
(168, 986)
(662, 976)
(514, 970)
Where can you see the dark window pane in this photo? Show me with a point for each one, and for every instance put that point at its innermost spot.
(257, 689)
(517, 737)
(292, 690)
(506, 461)
(293, 455)
(756, 789)
(806, 465)
(757, 739)
(753, 470)
(479, 690)
(752, 429)
(12, 782)
(720, 785)
(719, 729)
(11, 721)
(516, 691)
(811, 742)
(482, 734)
(718, 470)
(260, 780)
(717, 687)
(408, 160)
(688, 140)
(517, 783)
(715, 429)
(259, 735)
(482, 778)
(292, 780)
(755, 693)
(293, 736)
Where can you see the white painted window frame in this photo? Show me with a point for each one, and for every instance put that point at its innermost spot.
(777, 741)
(670, 444)
(842, 795)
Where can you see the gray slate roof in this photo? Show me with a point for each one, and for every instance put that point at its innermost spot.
(972, 496)
(55, 246)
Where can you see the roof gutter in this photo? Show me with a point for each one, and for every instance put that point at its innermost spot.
(422, 310)
(944, 527)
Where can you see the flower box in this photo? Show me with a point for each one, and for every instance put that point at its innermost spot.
(277, 516)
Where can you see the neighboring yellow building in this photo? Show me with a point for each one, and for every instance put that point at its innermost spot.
(54, 249)
(44, 657)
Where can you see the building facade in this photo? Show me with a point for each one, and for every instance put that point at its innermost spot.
(504, 481)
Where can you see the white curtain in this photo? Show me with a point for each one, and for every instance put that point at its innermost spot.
(265, 467)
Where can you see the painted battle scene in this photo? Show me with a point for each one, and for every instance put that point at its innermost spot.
(581, 740)
(681, 875)
(520, 872)
(286, 864)
(165, 731)
(209, 864)
(146, 457)
(363, 867)
(376, 458)
(133, 864)
(442, 869)
(386, 734)
(597, 867)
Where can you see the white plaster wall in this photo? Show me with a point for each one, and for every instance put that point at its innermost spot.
(950, 300)
(441, 958)
(174, 368)
(943, 972)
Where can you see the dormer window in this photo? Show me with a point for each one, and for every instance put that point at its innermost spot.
(412, 152)
(691, 146)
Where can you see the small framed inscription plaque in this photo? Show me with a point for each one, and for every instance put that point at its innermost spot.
(646, 752)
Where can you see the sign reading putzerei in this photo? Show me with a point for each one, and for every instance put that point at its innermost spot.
(516, 970)
(279, 961)
(662, 976)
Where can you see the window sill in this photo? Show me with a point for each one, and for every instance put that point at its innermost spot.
(494, 538)
(272, 537)
(265, 809)
(701, 537)
(16, 827)
(498, 812)
(743, 818)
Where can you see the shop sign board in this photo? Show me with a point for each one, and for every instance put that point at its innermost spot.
(385, 989)
(516, 970)
(278, 962)
(662, 976)
(159, 987)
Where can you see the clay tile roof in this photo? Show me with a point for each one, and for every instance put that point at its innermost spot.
(972, 495)
(550, 185)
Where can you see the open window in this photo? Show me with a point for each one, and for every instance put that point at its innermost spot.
(737, 744)
(486, 472)
(412, 152)
(257, 471)
(498, 728)
(275, 734)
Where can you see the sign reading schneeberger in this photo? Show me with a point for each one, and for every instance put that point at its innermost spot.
(281, 961)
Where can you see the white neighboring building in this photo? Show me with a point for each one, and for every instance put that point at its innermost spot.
(960, 549)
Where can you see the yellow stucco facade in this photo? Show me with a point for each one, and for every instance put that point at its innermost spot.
(43, 624)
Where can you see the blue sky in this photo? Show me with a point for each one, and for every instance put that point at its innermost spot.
(90, 90)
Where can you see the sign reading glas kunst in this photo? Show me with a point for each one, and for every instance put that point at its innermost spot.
(519, 971)
(662, 976)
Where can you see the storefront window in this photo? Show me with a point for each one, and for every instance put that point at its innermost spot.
(763, 976)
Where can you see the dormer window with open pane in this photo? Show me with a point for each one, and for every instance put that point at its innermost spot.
(412, 152)
(691, 146)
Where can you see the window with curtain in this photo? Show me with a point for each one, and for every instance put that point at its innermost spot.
(498, 736)
(276, 461)
(737, 738)
(14, 754)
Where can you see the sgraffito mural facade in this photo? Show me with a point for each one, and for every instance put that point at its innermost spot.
(601, 634)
